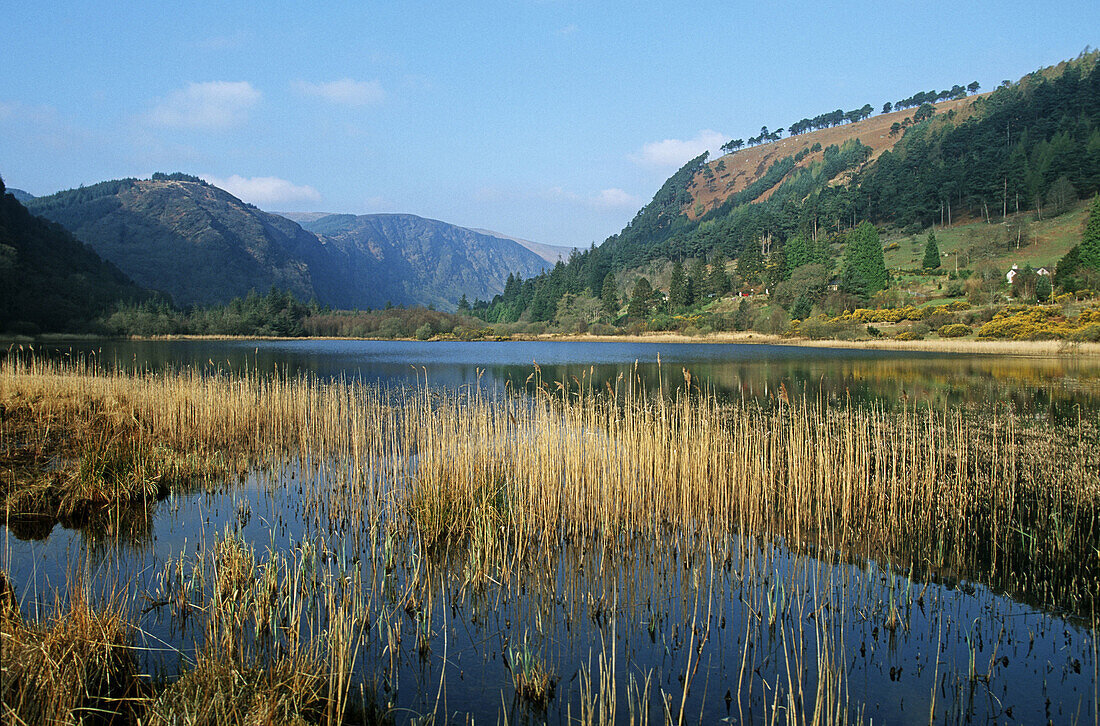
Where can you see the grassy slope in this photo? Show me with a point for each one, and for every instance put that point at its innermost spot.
(1049, 240)
(745, 166)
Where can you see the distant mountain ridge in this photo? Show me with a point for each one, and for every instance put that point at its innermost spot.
(550, 253)
(20, 196)
(201, 245)
(433, 262)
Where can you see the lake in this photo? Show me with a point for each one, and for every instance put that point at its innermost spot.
(671, 620)
(1036, 386)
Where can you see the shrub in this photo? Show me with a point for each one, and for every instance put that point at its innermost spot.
(602, 329)
(908, 335)
(956, 330)
(424, 331)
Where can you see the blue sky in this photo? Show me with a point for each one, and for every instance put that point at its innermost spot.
(551, 120)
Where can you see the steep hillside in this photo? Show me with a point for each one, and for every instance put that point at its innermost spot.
(201, 245)
(50, 282)
(412, 259)
(1027, 151)
(551, 253)
(719, 179)
(20, 196)
(188, 239)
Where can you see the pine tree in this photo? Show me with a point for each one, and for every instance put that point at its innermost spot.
(609, 297)
(677, 286)
(931, 253)
(798, 251)
(718, 281)
(864, 271)
(639, 299)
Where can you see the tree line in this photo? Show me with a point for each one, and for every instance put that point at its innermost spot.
(940, 172)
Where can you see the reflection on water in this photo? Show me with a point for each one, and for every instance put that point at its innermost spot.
(1051, 386)
(734, 630)
(746, 623)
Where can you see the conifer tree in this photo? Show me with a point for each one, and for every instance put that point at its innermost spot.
(639, 299)
(718, 281)
(609, 297)
(864, 271)
(677, 286)
(931, 253)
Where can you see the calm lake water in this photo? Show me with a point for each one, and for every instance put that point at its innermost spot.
(1036, 386)
(642, 606)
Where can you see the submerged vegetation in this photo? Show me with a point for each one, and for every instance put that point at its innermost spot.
(567, 512)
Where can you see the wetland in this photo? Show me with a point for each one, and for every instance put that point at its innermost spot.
(348, 531)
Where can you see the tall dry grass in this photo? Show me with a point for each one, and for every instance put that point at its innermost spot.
(76, 665)
(1008, 500)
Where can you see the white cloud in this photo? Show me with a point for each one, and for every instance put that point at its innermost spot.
(345, 92)
(212, 105)
(266, 190)
(568, 29)
(677, 152)
(615, 198)
(603, 200)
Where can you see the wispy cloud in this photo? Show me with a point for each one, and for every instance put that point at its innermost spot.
(214, 105)
(266, 190)
(43, 126)
(677, 152)
(344, 92)
(613, 199)
(567, 29)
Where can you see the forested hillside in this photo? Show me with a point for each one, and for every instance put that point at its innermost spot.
(202, 246)
(187, 239)
(49, 281)
(1026, 151)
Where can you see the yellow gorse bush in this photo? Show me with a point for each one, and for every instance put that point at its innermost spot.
(1037, 322)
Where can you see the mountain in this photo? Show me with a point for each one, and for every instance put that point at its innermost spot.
(303, 217)
(551, 253)
(186, 238)
(410, 258)
(1025, 151)
(201, 245)
(49, 281)
(20, 196)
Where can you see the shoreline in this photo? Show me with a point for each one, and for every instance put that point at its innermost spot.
(1020, 348)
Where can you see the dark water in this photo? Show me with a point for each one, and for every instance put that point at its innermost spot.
(658, 609)
(1054, 386)
(651, 614)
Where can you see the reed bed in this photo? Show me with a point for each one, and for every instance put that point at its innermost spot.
(1009, 501)
(77, 665)
(569, 508)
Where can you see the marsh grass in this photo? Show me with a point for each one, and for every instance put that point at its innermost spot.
(77, 665)
(618, 507)
(990, 495)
